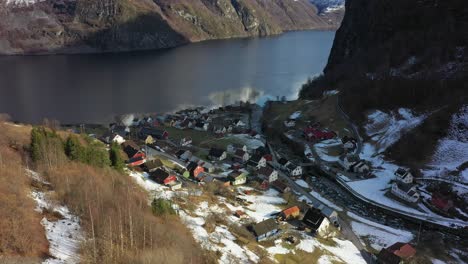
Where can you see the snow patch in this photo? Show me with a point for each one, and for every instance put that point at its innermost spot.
(295, 115)
(386, 129)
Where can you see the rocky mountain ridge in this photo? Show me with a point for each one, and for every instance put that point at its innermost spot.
(75, 26)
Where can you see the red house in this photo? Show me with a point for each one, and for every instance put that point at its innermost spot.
(268, 157)
(162, 177)
(132, 149)
(402, 250)
(137, 161)
(313, 134)
(199, 169)
(441, 203)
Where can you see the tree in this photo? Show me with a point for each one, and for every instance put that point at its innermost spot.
(115, 156)
(73, 148)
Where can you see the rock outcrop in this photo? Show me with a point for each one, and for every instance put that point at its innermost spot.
(75, 26)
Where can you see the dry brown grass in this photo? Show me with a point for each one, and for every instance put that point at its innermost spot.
(21, 232)
(120, 226)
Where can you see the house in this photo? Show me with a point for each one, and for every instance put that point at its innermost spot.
(231, 148)
(238, 123)
(405, 191)
(346, 161)
(219, 130)
(257, 161)
(290, 123)
(268, 173)
(261, 150)
(441, 203)
(217, 154)
(294, 170)
(184, 155)
(152, 165)
(314, 219)
(186, 141)
(265, 229)
(149, 140)
(402, 250)
(191, 166)
(387, 257)
(404, 176)
(280, 186)
(153, 132)
(223, 181)
(108, 138)
(132, 149)
(237, 177)
(241, 155)
(314, 134)
(162, 177)
(360, 167)
(197, 171)
(136, 161)
(122, 131)
(290, 213)
(349, 144)
(207, 166)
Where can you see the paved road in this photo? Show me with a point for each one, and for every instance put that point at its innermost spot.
(346, 229)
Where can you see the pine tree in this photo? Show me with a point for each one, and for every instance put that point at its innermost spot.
(73, 149)
(116, 159)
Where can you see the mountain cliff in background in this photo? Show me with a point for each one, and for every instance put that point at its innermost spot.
(394, 54)
(67, 26)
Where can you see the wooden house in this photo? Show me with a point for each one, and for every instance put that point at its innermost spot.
(265, 229)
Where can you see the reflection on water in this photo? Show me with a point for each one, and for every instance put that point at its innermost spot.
(93, 88)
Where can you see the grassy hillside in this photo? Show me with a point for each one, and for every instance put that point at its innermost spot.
(114, 212)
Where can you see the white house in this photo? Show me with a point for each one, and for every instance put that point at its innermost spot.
(231, 148)
(185, 142)
(242, 155)
(217, 154)
(294, 170)
(406, 192)
(268, 173)
(404, 176)
(290, 123)
(239, 123)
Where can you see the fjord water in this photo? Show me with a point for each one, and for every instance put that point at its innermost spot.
(94, 87)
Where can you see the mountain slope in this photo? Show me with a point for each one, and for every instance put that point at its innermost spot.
(393, 54)
(66, 26)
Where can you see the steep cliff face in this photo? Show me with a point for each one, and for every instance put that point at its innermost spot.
(48, 26)
(379, 36)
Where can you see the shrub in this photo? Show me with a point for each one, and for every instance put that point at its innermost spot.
(161, 207)
(117, 162)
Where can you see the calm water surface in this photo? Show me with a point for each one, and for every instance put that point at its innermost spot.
(93, 88)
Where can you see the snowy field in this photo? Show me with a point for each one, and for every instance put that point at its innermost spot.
(250, 142)
(385, 129)
(378, 235)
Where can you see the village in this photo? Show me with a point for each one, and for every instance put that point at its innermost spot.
(262, 189)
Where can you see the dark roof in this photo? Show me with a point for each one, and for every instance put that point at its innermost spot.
(255, 158)
(158, 175)
(264, 227)
(279, 185)
(180, 152)
(282, 161)
(387, 257)
(200, 124)
(215, 152)
(267, 171)
(261, 150)
(192, 166)
(151, 131)
(153, 164)
(130, 148)
(313, 218)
